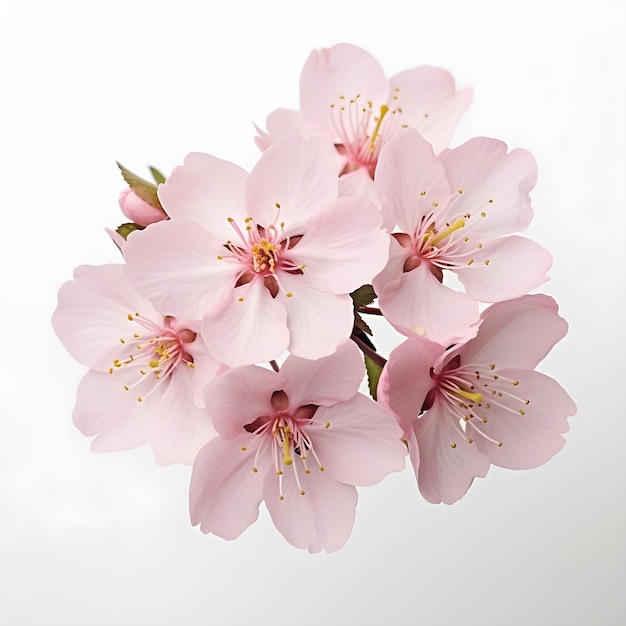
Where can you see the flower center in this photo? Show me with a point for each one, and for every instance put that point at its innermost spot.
(262, 252)
(474, 393)
(153, 354)
(285, 432)
(362, 130)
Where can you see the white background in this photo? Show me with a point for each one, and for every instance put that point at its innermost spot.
(105, 539)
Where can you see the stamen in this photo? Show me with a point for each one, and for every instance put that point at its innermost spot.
(383, 111)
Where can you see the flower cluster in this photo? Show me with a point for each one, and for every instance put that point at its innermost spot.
(233, 338)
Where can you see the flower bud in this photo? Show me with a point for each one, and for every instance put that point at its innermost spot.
(138, 210)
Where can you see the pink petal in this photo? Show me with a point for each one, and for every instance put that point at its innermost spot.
(514, 267)
(430, 103)
(492, 182)
(92, 314)
(239, 396)
(175, 265)
(206, 190)
(409, 179)
(321, 519)
(178, 428)
(445, 473)
(517, 333)
(363, 443)
(325, 381)
(531, 439)
(104, 408)
(224, 492)
(297, 175)
(405, 380)
(309, 310)
(343, 70)
(343, 245)
(250, 327)
(418, 303)
(280, 123)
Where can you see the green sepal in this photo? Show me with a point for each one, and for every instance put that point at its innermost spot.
(126, 229)
(146, 190)
(363, 296)
(360, 323)
(373, 375)
(159, 179)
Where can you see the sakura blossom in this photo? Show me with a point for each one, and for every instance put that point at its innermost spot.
(455, 213)
(265, 260)
(480, 403)
(146, 369)
(346, 98)
(300, 440)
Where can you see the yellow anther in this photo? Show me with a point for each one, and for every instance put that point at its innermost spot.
(153, 363)
(327, 425)
(139, 399)
(130, 317)
(244, 448)
(453, 445)
(255, 470)
(289, 294)
(422, 193)
(122, 340)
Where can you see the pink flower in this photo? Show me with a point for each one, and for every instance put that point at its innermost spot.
(346, 97)
(481, 402)
(266, 260)
(452, 213)
(300, 440)
(145, 368)
(138, 210)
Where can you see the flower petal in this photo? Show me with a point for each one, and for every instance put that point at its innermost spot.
(430, 103)
(531, 439)
(325, 381)
(249, 327)
(332, 74)
(358, 442)
(343, 245)
(280, 123)
(418, 303)
(445, 473)
(224, 492)
(410, 180)
(309, 310)
(240, 395)
(92, 314)
(517, 333)
(321, 519)
(175, 265)
(506, 268)
(291, 178)
(405, 380)
(493, 182)
(206, 190)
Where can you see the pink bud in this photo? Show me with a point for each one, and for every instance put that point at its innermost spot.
(138, 210)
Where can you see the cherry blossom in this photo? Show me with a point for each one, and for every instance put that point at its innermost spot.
(266, 260)
(480, 403)
(138, 210)
(346, 97)
(299, 439)
(455, 213)
(146, 369)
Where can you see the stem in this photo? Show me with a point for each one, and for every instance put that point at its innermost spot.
(369, 309)
(372, 354)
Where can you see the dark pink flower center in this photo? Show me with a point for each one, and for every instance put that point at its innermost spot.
(363, 129)
(262, 252)
(286, 433)
(471, 394)
(153, 353)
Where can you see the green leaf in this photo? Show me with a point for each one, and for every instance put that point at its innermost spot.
(363, 296)
(159, 179)
(373, 374)
(146, 190)
(126, 229)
